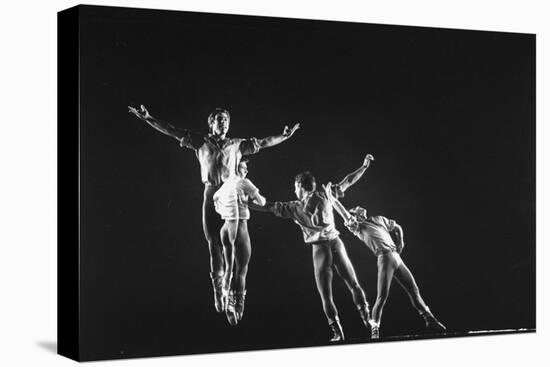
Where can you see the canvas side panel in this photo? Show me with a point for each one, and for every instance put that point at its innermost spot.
(69, 165)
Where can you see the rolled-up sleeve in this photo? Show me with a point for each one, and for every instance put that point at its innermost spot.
(285, 209)
(249, 146)
(191, 140)
(248, 187)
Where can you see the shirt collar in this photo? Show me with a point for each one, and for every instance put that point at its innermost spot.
(217, 140)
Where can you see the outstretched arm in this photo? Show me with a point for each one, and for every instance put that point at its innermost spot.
(353, 177)
(283, 209)
(257, 198)
(267, 207)
(185, 137)
(278, 139)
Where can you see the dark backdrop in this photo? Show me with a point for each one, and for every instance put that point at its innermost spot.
(448, 114)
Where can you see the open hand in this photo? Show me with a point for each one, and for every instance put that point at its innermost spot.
(288, 132)
(141, 112)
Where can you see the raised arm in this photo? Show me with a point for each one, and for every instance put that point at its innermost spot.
(336, 204)
(186, 138)
(278, 139)
(354, 176)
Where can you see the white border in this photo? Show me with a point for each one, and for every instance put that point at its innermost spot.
(28, 144)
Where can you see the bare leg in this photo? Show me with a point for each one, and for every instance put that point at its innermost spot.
(228, 234)
(243, 251)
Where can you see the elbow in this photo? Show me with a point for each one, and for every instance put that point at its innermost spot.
(263, 143)
(344, 185)
(261, 200)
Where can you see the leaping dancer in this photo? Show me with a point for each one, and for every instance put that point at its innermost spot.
(218, 156)
(376, 233)
(231, 202)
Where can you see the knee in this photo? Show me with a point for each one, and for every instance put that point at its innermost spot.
(323, 272)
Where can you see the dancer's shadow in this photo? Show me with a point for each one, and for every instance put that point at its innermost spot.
(50, 346)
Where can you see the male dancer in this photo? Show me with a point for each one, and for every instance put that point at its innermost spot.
(313, 213)
(218, 156)
(376, 232)
(231, 202)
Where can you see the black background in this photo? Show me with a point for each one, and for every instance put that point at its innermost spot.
(449, 116)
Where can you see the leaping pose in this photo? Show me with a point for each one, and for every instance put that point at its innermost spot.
(376, 233)
(218, 156)
(231, 202)
(313, 213)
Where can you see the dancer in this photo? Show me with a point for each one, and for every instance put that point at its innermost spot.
(384, 237)
(218, 157)
(313, 213)
(231, 203)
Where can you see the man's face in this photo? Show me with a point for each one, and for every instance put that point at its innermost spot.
(243, 169)
(220, 126)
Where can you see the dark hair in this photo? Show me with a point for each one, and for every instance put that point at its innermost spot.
(213, 114)
(306, 180)
(244, 160)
